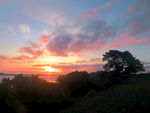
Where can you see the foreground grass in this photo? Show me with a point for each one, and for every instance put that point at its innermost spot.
(133, 96)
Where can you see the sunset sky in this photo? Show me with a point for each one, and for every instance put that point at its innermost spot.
(60, 36)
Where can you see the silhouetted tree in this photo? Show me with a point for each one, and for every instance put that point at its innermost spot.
(121, 62)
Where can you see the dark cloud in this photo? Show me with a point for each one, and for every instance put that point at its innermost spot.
(94, 29)
(92, 36)
(59, 45)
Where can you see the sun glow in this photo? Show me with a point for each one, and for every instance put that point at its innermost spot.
(49, 59)
(50, 69)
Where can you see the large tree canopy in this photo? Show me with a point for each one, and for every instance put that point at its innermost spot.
(122, 62)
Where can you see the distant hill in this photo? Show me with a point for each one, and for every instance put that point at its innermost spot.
(2, 74)
(6, 74)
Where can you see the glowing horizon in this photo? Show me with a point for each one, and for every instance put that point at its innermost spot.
(56, 37)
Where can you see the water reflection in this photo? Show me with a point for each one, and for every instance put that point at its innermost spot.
(47, 78)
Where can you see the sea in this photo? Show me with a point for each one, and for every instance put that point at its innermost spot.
(45, 77)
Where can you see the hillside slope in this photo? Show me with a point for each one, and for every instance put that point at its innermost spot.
(133, 96)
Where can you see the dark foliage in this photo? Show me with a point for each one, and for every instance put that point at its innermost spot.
(122, 62)
(31, 94)
(76, 83)
(79, 83)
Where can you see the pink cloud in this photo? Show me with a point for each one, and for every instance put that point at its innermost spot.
(2, 57)
(108, 4)
(32, 44)
(14, 59)
(59, 45)
(65, 45)
(45, 39)
(96, 45)
(31, 51)
(94, 11)
(132, 9)
(146, 41)
(62, 13)
(126, 41)
(35, 49)
(13, 15)
(22, 57)
(78, 45)
(138, 7)
(111, 3)
(129, 41)
(27, 50)
(137, 27)
(123, 42)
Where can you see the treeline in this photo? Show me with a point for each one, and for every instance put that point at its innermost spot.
(34, 95)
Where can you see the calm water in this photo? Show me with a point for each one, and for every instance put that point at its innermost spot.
(47, 78)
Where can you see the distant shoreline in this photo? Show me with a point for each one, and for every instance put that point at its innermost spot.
(5, 74)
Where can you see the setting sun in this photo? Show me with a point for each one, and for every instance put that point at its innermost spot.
(50, 69)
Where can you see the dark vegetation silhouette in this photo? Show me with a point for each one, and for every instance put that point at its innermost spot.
(25, 94)
(122, 62)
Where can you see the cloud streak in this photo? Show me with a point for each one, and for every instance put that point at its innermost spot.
(94, 11)
(99, 10)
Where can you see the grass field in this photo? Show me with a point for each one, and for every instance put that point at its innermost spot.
(132, 96)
